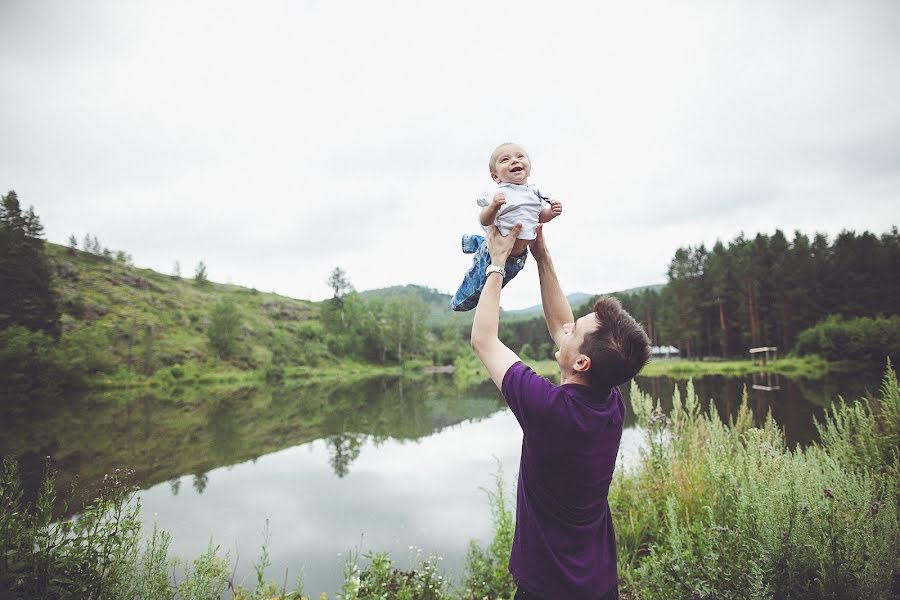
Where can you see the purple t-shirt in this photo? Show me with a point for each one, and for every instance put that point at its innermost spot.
(564, 545)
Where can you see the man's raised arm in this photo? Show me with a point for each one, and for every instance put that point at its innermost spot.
(557, 311)
(497, 358)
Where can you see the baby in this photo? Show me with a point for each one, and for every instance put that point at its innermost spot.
(513, 201)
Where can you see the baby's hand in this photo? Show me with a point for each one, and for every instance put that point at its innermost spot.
(499, 200)
(555, 208)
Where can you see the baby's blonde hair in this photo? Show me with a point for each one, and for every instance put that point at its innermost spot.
(496, 152)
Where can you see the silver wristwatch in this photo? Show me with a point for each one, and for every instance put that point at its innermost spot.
(495, 269)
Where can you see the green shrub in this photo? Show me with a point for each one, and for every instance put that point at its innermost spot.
(380, 580)
(224, 327)
(866, 339)
(92, 556)
(29, 360)
(33, 360)
(486, 574)
(100, 554)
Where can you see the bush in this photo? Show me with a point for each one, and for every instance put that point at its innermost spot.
(486, 574)
(864, 339)
(29, 360)
(100, 554)
(728, 511)
(33, 360)
(380, 580)
(224, 327)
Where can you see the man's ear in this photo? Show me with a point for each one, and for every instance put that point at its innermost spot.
(582, 363)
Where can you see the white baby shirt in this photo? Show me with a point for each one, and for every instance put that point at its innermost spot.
(523, 205)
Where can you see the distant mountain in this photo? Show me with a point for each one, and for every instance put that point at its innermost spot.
(439, 312)
(575, 299)
(579, 298)
(438, 303)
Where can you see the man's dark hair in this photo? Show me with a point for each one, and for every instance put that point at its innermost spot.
(618, 349)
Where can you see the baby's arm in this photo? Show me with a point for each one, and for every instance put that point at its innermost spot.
(550, 211)
(489, 212)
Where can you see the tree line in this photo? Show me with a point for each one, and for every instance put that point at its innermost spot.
(766, 290)
(760, 291)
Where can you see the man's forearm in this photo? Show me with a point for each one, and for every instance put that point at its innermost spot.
(557, 311)
(486, 325)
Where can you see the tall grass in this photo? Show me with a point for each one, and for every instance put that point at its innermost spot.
(102, 553)
(727, 510)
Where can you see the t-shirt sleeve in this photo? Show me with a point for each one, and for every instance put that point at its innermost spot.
(484, 198)
(528, 395)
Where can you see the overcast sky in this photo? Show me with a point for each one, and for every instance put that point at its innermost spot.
(277, 140)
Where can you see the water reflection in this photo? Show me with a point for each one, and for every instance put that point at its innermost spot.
(343, 449)
(794, 403)
(193, 431)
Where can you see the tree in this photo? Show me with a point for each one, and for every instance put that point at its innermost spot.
(26, 295)
(73, 244)
(200, 274)
(176, 270)
(124, 258)
(224, 327)
(403, 324)
(339, 282)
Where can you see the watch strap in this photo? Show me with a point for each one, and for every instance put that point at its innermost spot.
(495, 269)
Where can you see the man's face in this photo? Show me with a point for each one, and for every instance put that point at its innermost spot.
(573, 336)
(511, 165)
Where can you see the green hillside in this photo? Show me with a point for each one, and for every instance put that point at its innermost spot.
(151, 320)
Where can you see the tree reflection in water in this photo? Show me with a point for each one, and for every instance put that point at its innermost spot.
(343, 449)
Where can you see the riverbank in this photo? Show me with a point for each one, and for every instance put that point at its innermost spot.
(806, 366)
(192, 374)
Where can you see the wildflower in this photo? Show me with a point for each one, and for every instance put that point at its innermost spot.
(804, 508)
(875, 507)
(828, 493)
(657, 417)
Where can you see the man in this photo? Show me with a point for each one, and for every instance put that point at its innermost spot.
(564, 546)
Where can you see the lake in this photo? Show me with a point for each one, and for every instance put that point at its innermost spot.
(381, 464)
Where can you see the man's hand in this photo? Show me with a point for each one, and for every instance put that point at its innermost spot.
(501, 246)
(538, 246)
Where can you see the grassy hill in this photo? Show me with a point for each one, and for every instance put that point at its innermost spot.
(153, 320)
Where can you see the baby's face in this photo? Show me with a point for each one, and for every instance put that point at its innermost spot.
(511, 165)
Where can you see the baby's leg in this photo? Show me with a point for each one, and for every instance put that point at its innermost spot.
(519, 247)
